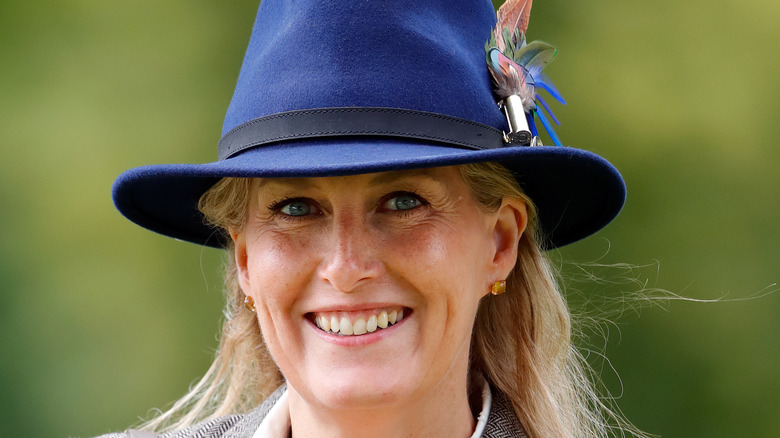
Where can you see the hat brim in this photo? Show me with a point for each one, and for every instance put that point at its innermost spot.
(576, 192)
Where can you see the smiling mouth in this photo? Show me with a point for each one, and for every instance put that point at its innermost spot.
(345, 325)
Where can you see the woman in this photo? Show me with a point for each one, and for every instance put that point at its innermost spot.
(385, 222)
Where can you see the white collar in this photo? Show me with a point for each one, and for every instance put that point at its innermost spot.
(277, 423)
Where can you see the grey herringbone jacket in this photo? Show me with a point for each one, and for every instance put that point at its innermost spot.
(501, 423)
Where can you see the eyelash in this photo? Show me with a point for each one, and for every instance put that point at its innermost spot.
(277, 206)
(403, 213)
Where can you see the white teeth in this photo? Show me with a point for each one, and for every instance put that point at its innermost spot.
(371, 324)
(381, 320)
(345, 326)
(325, 324)
(334, 324)
(360, 327)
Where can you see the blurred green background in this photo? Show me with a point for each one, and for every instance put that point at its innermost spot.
(101, 321)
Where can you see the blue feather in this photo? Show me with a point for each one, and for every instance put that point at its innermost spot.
(492, 59)
(547, 108)
(549, 128)
(542, 81)
(532, 123)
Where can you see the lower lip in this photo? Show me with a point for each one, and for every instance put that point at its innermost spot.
(355, 341)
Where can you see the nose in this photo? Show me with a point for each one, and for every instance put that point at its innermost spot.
(350, 259)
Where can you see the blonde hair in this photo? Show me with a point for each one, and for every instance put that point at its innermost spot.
(521, 340)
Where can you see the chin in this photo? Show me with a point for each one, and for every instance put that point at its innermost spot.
(362, 389)
(359, 395)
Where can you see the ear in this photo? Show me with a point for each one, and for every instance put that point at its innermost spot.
(510, 223)
(239, 253)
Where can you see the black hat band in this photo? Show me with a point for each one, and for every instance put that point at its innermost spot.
(360, 121)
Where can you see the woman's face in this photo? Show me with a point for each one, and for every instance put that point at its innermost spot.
(367, 286)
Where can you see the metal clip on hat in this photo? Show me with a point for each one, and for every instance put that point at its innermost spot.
(519, 133)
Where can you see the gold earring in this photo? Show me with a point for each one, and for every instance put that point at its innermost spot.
(249, 303)
(498, 288)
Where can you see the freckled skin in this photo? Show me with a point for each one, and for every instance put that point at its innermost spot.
(353, 248)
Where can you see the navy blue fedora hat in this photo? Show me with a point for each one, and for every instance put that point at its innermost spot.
(355, 86)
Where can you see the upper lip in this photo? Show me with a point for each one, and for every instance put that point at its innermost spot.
(355, 307)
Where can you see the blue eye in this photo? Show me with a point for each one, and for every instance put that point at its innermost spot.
(402, 202)
(297, 208)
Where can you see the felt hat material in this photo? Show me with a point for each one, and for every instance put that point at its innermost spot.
(350, 87)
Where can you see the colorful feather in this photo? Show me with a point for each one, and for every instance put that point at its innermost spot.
(513, 14)
(547, 108)
(510, 78)
(516, 65)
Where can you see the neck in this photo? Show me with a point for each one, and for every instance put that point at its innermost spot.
(442, 412)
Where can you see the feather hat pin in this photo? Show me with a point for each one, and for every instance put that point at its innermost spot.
(516, 68)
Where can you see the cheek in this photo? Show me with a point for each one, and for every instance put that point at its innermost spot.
(277, 267)
(445, 271)
(448, 250)
(444, 264)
